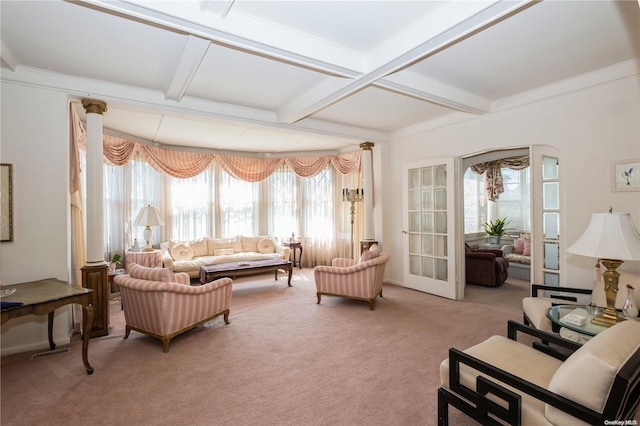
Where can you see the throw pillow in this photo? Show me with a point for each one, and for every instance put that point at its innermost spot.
(223, 252)
(266, 245)
(182, 252)
(518, 245)
(366, 255)
(375, 250)
(526, 251)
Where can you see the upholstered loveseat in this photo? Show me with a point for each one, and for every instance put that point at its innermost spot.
(189, 256)
(162, 304)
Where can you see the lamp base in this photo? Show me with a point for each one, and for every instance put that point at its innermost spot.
(608, 318)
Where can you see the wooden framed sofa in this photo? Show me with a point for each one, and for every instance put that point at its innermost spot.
(503, 381)
(163, 305)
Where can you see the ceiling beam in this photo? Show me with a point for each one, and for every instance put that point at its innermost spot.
(192, 55)
(452, 23)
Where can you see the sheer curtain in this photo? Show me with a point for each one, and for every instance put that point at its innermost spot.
(218, 205)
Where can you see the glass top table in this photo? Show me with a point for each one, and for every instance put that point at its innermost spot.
(558, 312)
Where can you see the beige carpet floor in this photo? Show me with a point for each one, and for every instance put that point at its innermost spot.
(283, 360)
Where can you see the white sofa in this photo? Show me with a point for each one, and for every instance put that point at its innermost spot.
(189, 256)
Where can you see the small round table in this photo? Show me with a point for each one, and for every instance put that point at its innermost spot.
(295, 245)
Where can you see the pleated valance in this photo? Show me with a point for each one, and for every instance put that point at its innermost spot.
(184, 164)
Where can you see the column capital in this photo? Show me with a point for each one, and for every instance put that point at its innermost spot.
(366, 146)
(94, 106)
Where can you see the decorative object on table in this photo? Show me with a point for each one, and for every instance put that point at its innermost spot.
(612, 239)
(630, 309)
(625, 175)
(136, 246)
(495, 229)
(6, 202)
(148, 217)
(352, 196)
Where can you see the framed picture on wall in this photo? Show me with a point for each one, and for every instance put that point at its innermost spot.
(6, 202)
(625, 175)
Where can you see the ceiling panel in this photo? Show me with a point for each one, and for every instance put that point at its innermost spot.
(283, 76)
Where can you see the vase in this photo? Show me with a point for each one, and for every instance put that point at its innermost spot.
(494, 239)
(630, 309)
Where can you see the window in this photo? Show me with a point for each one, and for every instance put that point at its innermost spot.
(318, 206)
(191, 207)
(236, 206)
(513, 203)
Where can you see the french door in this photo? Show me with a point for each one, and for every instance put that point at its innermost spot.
(429, 227)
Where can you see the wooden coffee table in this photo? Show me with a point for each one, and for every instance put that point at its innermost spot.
(237, 269)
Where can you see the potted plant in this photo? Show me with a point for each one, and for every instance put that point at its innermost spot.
(115, 260)
(495, 229)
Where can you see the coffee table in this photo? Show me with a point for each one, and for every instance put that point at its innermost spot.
(237, 269)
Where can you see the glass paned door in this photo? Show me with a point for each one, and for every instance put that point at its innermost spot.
(429, 205)
(547, 214)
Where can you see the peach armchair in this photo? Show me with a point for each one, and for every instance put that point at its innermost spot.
(354, 279)
(162, 304)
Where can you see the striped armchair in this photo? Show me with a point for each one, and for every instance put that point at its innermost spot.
(354, 279)
(162, 304)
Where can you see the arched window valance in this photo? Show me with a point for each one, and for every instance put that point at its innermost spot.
(184, 164)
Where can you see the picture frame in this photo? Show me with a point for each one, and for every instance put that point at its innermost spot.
(6, 202)
(625, 175)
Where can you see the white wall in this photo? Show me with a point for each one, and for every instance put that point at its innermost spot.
(591, 129)
(34, 139)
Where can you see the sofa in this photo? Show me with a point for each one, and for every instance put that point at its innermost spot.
(485, 267)
(519, 256)
(162, 304)
(359, 279)
(189, 256)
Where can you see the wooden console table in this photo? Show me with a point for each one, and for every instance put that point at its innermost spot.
(44, 297)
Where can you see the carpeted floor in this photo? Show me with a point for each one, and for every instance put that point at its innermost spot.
(283, 360)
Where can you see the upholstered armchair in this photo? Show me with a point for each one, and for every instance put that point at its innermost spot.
(162, 304)
(503, 381)
(485, 267)
(359, 279)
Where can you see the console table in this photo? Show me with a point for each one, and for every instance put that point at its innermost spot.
(44, 297)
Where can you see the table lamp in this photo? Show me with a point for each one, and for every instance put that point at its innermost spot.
(148, 217)
(612, 239)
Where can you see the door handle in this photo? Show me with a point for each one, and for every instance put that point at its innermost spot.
(404, 232)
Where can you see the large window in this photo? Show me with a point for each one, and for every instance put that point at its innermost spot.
(218, 205)
(513, 203)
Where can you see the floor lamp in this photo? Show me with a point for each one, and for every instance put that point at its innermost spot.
(352, 196)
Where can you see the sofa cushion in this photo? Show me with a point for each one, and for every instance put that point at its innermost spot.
(182, 252)
(223, 243)
(518, 258)
(587, 375)
(266, 245)
(223, 252)
(250, 243)
(150, 274)
(200, 247)
(526, 250)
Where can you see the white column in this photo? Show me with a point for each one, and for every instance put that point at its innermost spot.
(367, 186)
(95, 199)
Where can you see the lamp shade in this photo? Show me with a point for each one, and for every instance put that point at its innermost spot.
(148, 216)
(609, 236)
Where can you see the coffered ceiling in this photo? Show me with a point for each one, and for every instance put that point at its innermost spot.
(272, 77)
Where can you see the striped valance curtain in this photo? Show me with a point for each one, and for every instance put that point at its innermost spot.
(184, 164)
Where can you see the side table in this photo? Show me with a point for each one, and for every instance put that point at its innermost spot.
(295, 245)
(150, 259)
